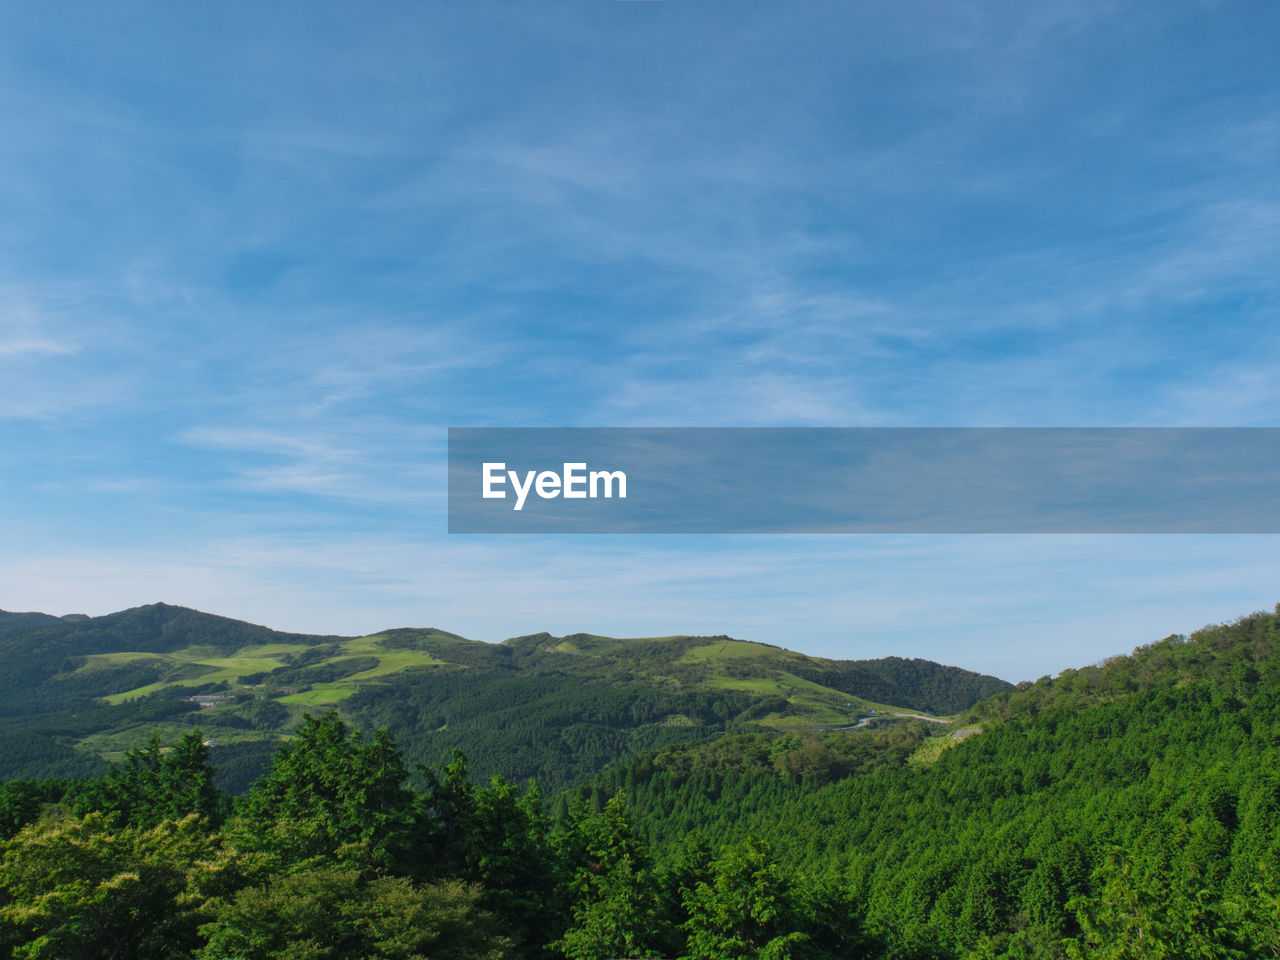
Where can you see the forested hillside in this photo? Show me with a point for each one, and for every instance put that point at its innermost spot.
(77, 692)
(1125, 810)
(1130, 809)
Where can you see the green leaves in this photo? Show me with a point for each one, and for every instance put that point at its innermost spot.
(745, 911)
(92, 888)
(494, 837)
(1156, 915)
(334, 912)
(153, 784)
(327, 789)
(615, 910)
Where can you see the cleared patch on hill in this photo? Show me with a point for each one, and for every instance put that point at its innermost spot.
(256, 667)
(719, 650)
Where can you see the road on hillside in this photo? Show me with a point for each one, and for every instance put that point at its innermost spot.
(880, 716)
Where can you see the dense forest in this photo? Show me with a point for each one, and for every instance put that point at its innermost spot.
(1130, 809)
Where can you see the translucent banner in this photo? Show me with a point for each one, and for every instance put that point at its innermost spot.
(864, 480)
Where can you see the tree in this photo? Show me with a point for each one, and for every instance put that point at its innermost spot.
(615, 909)
(328, 789)
(333, 912)
(745, 911)
(1151, 917)
(494, 837)
(92, 889)
(151, 785)
(20, 803)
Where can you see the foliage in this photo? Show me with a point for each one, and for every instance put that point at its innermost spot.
(93, 888)
(333, 911)
(152, 785)
(326, 789)
(495, 838)
(1130, 809)
(744, 911)
(615, 910)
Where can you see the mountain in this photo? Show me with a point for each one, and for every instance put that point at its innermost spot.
(1128, 809)
(76, 692)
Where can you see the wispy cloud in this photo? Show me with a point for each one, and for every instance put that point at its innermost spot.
(28, 330)
(17, 345)
(248, 283)
(347, 460)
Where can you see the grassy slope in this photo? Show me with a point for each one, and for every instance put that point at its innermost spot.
(105, 684)
(197, 666)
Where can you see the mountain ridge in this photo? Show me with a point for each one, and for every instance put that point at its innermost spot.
(84, 690)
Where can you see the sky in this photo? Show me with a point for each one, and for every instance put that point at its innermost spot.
(255, 259)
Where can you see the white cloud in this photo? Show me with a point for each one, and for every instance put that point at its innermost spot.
(17, 345)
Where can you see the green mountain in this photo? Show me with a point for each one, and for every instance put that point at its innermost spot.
(76, 692)
(1130, 809)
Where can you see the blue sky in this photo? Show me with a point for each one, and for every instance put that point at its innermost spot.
(255, 259)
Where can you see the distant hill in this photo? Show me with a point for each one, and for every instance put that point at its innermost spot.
(76, 691)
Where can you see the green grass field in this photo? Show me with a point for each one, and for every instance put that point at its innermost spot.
(195, 666)
(321, 695)
(727, 650)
